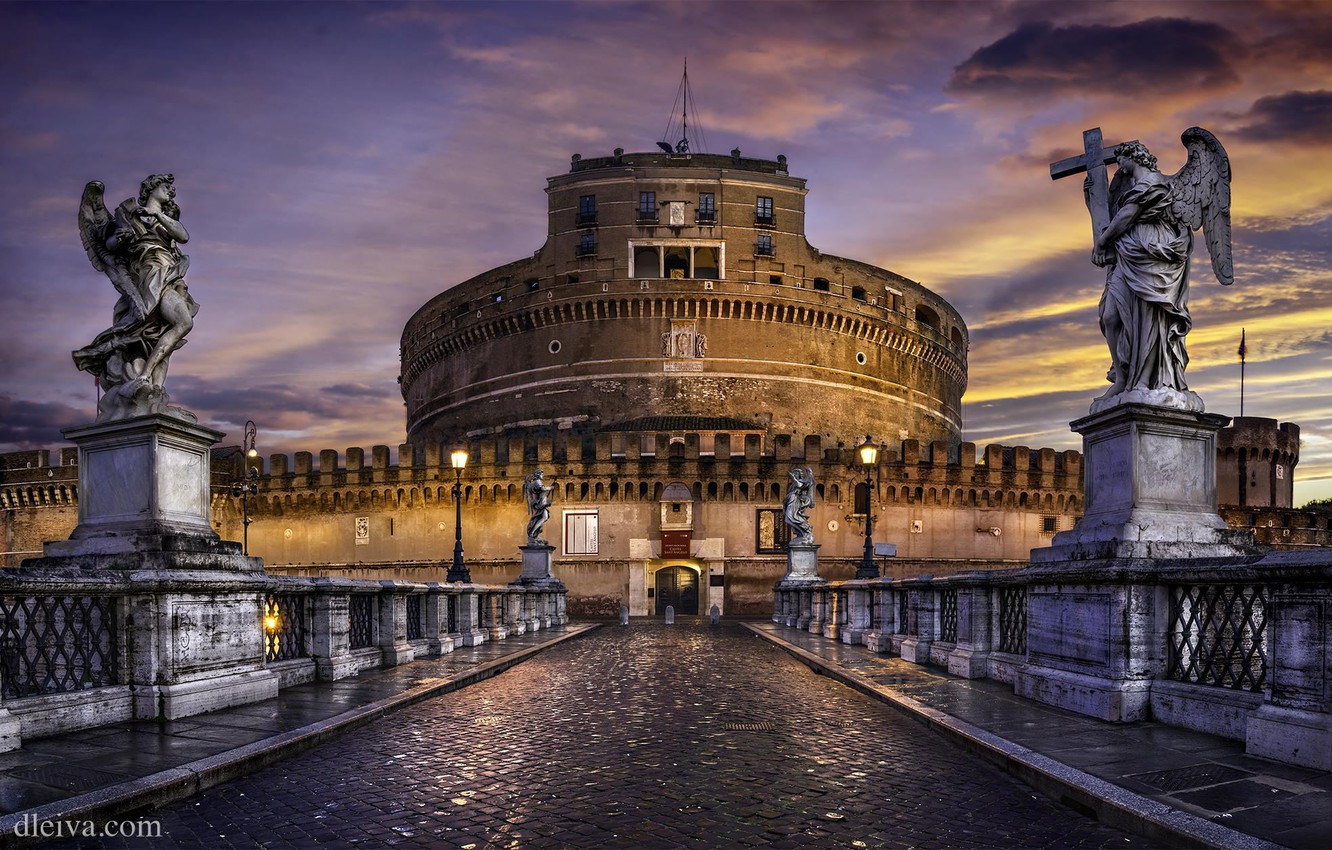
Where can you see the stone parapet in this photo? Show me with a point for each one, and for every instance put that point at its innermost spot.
(1234, 647)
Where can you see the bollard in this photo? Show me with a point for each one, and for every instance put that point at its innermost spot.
(714, 616)
(624, 616)
(670, 615)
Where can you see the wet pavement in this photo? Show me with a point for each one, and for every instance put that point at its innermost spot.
(1162, 780)
(638, 736)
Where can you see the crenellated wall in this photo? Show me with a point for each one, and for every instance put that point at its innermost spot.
(358, 513)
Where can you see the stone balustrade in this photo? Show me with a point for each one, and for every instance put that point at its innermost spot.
(80, 651)
(1235, 648)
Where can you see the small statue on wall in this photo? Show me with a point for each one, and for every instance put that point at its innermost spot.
(799, 499)
(138, 250)
(538, 506)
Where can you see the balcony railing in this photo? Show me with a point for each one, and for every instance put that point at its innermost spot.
(705, 217)
(647, 217)
(764, 221)
(587, 219)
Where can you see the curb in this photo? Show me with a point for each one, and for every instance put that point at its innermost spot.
(1106, 802)
(177, 783)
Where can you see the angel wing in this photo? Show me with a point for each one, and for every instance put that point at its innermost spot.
(96, 224)
(1202, 197)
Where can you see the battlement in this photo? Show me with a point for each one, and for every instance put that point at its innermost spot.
(607, 449)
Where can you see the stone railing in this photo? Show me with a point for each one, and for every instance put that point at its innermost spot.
(1237, 649)
(83, 651)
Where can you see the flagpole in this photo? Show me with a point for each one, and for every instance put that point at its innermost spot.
(1243, 349)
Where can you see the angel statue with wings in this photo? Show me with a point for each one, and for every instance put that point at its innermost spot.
(1144, 239)
(537, 492)
(137, 248)
(799, 499)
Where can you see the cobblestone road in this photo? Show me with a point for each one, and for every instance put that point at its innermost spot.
(639, 736)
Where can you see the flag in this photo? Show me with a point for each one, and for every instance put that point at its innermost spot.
(1243, 349)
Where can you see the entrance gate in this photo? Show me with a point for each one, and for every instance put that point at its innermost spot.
(678, 587)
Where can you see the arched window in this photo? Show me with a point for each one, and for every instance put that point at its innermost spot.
(862, 498)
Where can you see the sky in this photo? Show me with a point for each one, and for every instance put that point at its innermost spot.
(339, 164)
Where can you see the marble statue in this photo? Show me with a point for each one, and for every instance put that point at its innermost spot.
(799, 499)
(1144, 227)
(538, 506)
(138, 250)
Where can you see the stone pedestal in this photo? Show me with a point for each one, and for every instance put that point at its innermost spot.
(193, 602)
(802, 563)
(536, 568)
(1150, 489)
(141, 480)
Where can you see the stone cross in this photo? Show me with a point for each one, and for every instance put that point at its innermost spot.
(1093, 160)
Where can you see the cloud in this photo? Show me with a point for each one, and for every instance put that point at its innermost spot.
(1297, 116)
(1140, 56)
(28, 424)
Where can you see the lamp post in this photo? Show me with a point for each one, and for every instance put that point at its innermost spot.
(247, 483)
(459, 571)
(869, 456)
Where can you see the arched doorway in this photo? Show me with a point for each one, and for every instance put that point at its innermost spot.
(677, 587)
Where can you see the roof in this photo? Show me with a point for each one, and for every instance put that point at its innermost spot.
(660, 424)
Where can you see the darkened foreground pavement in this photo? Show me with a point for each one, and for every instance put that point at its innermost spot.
(638, 736)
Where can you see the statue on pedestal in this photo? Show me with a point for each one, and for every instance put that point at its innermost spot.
(138, 250)
(799, 499)
(537, 493)
(1143, 225)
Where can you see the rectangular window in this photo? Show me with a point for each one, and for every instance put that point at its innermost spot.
(707, 208)
(587, 209)
(1049, 524)
(587, 244)
(647, 206)
(763, 211)
(771, 533)
(763, 246)
(580, 532)
(676, 259)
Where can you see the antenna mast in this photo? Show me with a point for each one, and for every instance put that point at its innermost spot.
(684, 98)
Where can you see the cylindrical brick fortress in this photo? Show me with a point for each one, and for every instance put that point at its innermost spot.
(683, 285)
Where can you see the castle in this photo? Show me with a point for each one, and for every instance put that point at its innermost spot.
(666, 357)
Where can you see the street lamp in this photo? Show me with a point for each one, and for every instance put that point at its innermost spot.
(247, 483)
(459, 571)
(869, 456)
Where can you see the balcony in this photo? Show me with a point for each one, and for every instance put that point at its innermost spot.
(705, 217)
(587, 219)
(764, 221)
(647, 217)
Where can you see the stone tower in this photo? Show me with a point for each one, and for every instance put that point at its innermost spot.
(682, 285)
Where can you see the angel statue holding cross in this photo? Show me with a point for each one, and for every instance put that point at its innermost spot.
(1143, 225)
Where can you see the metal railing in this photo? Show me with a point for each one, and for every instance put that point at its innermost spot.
(285, 626)
(1013, 620)
(948, 615)
(1217, 635)
(414, 630)
(361, 633)
(56, 644)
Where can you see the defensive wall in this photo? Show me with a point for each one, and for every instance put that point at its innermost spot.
(356, 514)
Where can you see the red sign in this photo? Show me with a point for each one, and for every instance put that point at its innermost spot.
(675, 544)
